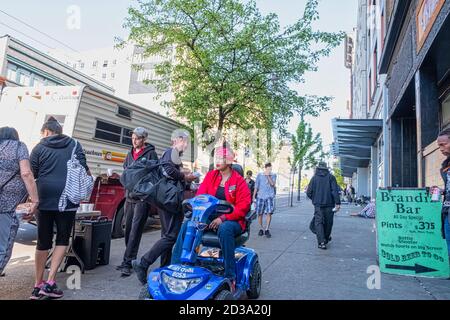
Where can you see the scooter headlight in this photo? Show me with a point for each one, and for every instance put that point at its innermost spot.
(177, 285)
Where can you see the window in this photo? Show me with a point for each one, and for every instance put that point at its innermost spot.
(114, 62)
(113, 75)
(11, 72)
(104, 76)
(105, 63)
(445, 112)
(94, 64)
(113, 133)
(38, 81)
(124, 112)
(24, 78)
(81, 65)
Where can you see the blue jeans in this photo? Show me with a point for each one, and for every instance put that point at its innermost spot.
(447, 232)
(9, 224)
(227, 233)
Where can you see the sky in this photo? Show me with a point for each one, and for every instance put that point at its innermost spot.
(101, 21)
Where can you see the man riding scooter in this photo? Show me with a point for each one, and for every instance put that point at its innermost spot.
(227, 184)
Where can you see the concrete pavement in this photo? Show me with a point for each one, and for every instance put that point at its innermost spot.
(293, 266)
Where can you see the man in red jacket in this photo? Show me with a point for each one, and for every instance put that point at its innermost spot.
(225, 184)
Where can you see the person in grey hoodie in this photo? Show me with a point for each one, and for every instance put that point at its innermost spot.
(49, 164)
(323, 190)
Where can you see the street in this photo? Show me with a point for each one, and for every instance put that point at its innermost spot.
(293, 266)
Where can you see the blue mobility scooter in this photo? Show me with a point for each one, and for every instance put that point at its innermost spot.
(200, 276)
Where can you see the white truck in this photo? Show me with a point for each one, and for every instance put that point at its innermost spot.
(101, 122)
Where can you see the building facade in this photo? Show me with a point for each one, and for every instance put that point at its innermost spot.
(124, 69)
(417, 68)
(23, 65)
(359, 141)
(408, 96)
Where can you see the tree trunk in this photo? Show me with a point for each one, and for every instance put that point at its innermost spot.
(292, 188)
(219, 130)
(299, 182)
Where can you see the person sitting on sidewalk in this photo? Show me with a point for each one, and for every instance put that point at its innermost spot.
(368, 212)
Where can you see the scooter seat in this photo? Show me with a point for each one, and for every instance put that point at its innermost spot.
(211, 239)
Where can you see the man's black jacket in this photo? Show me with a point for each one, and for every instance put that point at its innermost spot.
(323, 189)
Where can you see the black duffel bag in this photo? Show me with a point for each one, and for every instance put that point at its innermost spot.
(136, 171)
(159, 190)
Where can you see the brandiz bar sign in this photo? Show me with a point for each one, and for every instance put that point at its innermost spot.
(409, 230)
(427, 12)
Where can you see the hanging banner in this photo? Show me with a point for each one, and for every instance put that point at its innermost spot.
(410, 240)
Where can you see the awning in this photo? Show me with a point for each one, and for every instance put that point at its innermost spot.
(353, 139)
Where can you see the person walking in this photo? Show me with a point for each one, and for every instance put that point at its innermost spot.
(264, 195)
(16, 182)
(49, 163)
(250, 182)
(170, 223)
(136, 211)
(323, 190)
(444, 146)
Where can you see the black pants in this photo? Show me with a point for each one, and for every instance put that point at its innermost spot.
(170, 227)
(46, 220)
(136, 215)
(323, 223)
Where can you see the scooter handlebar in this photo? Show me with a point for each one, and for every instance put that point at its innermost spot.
(224, 207)
(187, 208)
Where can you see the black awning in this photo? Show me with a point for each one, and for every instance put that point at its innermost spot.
(353, 139)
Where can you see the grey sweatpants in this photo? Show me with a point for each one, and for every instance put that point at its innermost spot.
(9, 224)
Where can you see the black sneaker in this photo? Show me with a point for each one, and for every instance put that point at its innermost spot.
(122, 266)
(268, 235)
(126, 271)
(323, 246)
(141, 272)
(51, 291)
(261, 232)
(35, 295)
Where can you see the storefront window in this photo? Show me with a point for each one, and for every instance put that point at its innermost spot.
(446, 112)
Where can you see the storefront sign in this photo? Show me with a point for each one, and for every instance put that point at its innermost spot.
(410, 240)
(427, 13)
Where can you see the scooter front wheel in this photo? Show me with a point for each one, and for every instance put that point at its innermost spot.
(224, 295)
(144, 294)
(255, 282)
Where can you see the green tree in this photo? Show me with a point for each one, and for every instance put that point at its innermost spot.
(339, 178)
(232, 65)
(307, 149)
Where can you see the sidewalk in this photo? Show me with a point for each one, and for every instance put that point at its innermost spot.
(293, 266)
